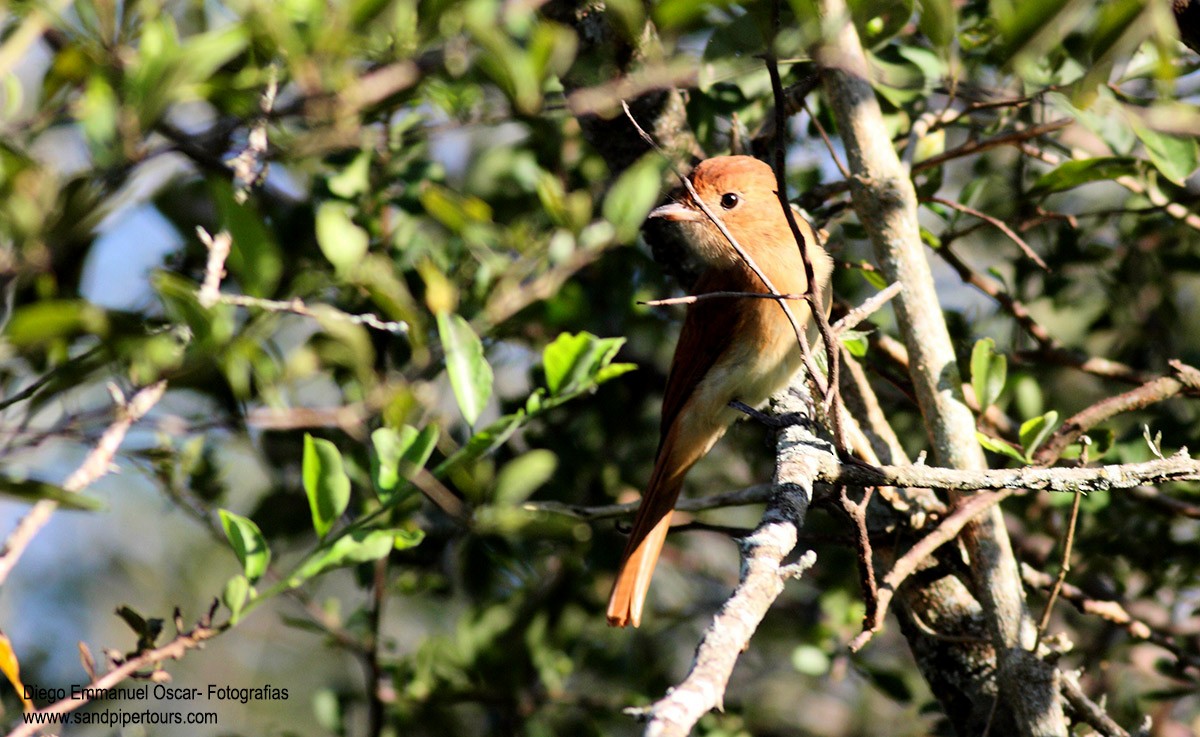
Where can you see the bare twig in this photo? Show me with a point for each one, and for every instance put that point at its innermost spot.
(174, 650)
(996, 223)
(857, 512)
(296, 306)
(851, 319)
(96, 465)
(1149, 393)
(908, 563)
(214, 271)
(1088, 711)
(1063, 569)
(1111, 611)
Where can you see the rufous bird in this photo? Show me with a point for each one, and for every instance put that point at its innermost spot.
(730, 348)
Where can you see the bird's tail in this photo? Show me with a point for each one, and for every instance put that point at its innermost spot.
(651, 523)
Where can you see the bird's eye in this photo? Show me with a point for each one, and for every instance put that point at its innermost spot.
(729, 200)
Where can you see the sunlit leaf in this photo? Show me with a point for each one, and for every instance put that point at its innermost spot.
(470, 374)
(989, 372)
(523, 475)
(325, 483)
(248, 544)
(1072, 174)
(633, 195)
(342, 241)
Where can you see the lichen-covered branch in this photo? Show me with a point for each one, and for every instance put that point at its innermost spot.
(886, 203)
(762, 580)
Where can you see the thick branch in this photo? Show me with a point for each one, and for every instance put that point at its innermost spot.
(762, 581)
(886, 203)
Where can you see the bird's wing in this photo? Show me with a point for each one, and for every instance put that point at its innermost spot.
(708, 330)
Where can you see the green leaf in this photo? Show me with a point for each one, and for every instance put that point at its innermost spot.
(1072, 174)
(1035, 430)
(484, 441)
(999, 446)
(256, 260)
(342, 241)
(353, 180)
(325, 483)
(359, 546)
(633, 195)
(878, 21)
(989, 372)
(470, 374)
(572, 361)
(938, 21)
(523, 475)
(1174, 156)
(855, 341)
(399, 454)
(248, 544)
(42, 322)
(810, 660)
(235, 595)
(31, 491)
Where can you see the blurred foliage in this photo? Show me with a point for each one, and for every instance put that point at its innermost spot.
(424, 166)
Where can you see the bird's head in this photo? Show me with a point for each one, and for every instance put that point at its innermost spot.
(740, 190)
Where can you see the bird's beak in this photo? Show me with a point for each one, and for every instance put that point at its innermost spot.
(677, 213)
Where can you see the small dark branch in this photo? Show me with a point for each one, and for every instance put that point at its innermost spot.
(908, 563)
(1063, 569)
(991, 288)
(1006, 139)
(756, 494)
(174, 650)
(857, 512)
(1166, 503)
(825, 136)
(825, 191)
(829, 395)
(1087, 710)
(1155, 391)
(1111, 611)
(998, 224)
(1049, 349)
(1102, 367)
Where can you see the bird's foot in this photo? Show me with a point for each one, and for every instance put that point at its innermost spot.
(775, 422)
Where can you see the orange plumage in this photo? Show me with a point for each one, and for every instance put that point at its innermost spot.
(729, 348)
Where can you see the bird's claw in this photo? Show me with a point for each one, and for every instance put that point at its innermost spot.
(775, 422)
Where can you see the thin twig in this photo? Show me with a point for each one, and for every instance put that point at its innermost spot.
(851, 319)
(1063, 569)
(96, 465)
(694, 298)
(174, 650)
(296, 306)
(998, 224)
(829, 395)
(908, 563)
